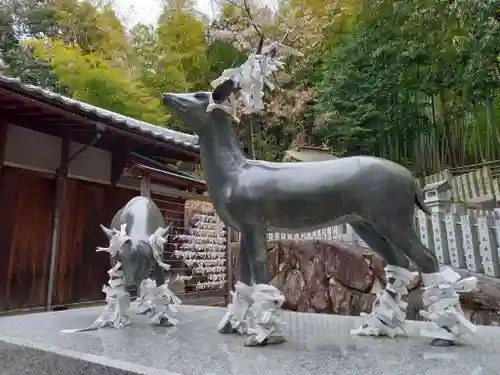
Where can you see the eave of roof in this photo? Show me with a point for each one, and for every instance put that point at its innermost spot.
(161, 174)
(186, 141)
(310, 155)
(184, 174)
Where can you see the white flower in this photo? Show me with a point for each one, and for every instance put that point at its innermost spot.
(223, 35)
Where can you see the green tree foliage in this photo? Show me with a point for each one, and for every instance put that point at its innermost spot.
(181, 42)
(173, 56)
(24, 19)
(91, 60)
(413, 81)
(92, 79)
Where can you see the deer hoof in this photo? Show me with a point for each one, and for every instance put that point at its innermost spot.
(442, 343)
(228, 328)
(271, 340)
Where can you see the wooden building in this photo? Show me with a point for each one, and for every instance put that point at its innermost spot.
(308, 153)
(65, 168)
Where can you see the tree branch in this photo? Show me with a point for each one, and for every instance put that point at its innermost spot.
(246, 8)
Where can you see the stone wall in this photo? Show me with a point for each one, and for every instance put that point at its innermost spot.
(325, 277)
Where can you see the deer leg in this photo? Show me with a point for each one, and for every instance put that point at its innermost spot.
(159, 275)
(145, 288)
(256, 248)
(118, 300)
(234, 321)
(388, 311)
(145, 305)
(161, 300)
(264, 319)
(441, 294)
(244, 270)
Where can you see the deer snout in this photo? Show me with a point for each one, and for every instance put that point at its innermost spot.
(168, 99)
(176, 102)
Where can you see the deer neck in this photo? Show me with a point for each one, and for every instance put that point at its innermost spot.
(221, 155)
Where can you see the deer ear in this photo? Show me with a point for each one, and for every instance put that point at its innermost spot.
(223, 91)
(108, 232)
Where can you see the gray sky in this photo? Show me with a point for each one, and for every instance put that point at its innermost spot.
(147, 11)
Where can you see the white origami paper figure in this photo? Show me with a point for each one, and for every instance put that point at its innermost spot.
(157, 242)
(252, 77)
(158, 301)
(236, 318)
(265, 324)
(117, 303)
(255, 311)
(388, 314)
(145, 304)
(116, 241)
(154, 299)
(442, 304)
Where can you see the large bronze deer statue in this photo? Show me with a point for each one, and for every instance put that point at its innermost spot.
(375, 196)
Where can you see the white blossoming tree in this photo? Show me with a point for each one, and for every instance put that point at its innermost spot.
(301, 25)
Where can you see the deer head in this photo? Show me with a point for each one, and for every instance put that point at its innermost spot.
(137, 255)
(250, 78)
(192, 107)
(195, 108)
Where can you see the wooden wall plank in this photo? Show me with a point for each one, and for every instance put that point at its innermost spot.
(3, 144)
(25, 236)
(119, 160)
(60, 216)
(80, 270)
(146, 184)
(27, 201)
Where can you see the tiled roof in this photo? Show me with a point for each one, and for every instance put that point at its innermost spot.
(309, 155)
(170, 136)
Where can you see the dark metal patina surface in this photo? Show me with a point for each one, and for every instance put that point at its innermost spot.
(375, 196)
(143, 218)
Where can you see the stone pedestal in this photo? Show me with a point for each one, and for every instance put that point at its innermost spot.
(317, 344)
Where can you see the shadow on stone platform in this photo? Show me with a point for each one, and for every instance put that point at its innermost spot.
(317, 344)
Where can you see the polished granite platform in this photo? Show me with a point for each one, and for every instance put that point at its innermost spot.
(317, 344)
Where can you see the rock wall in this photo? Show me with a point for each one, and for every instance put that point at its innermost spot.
(325, 277)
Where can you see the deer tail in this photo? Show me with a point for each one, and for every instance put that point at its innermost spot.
(419, 201)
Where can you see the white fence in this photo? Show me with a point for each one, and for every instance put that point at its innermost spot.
(468, 240)
(462, 237)
(340, 233)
